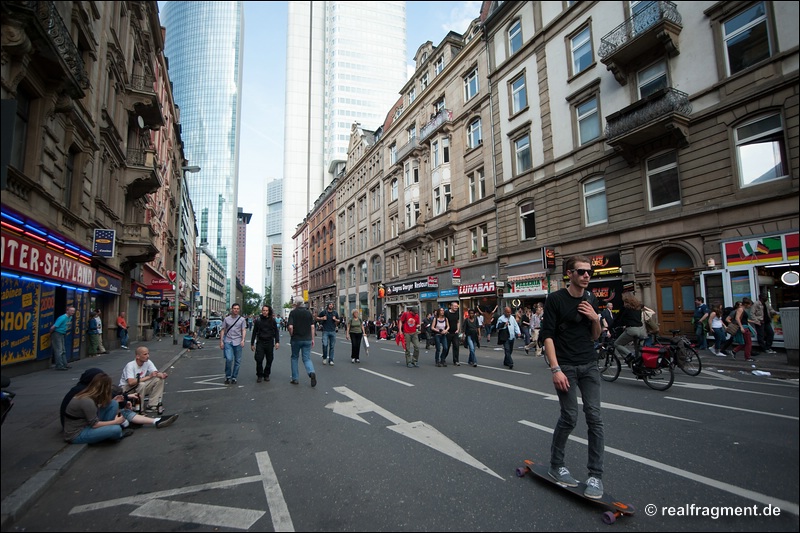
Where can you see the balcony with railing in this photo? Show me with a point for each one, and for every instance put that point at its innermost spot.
(406, 149)
(662, 116)
(138, 244)
(143, 100)
(53, 42)
(412, 237)
(440, 120)
(653, 30)
(141, 173)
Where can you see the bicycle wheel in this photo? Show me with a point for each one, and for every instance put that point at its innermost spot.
(691, 362)
(608, 364)
(659, 378)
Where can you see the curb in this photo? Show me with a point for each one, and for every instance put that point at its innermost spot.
(19, 501)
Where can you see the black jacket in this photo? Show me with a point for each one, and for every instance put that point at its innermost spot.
(265, 329)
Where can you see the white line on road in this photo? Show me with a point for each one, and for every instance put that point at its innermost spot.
(551, 396)
(194, 513)
(732, 408)
(784, 505)
(386, 377)
(281, 518)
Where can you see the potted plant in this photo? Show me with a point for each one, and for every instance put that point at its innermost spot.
(474, 253)
(484, 250)
(452, 258)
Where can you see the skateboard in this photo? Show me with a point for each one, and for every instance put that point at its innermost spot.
(613, 507)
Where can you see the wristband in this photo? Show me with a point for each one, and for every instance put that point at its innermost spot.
(555, 369)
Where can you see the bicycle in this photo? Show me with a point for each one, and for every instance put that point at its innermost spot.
(656, 370)
(682, 353)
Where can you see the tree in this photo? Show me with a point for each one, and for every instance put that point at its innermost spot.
(267, 296)
(252, 302)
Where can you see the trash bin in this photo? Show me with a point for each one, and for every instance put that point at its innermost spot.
(790, 316)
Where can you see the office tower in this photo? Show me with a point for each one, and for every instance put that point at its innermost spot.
(274, 223)
(204, 45)
(243, 219)
(345, 63)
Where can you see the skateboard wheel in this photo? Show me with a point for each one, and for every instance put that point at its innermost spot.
(521, 471)
(609, 517)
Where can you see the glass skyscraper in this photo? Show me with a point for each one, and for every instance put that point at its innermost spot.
(345, 62)
(204, 46)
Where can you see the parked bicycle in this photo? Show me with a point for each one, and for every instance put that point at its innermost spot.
(651, 365)
(682, 352)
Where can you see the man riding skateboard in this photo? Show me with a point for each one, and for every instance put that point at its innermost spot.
(570, 326)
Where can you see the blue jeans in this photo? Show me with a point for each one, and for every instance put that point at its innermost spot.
(328, 344)
(90, 435)
(508, 349)
(233, 359)
(587, 379)
(719, 338)
(700, 331)
(59, 350)
(123, 337)
(305, 346)
(441, 347)
(471, 343)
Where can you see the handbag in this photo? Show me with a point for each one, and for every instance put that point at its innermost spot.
(732, 328)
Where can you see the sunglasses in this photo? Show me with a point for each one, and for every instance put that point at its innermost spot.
(582, 271)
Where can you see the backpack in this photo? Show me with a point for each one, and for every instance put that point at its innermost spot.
(650, 320)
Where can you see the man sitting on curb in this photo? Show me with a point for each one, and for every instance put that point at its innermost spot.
(142, 377)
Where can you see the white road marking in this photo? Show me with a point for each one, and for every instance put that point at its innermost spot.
(195, 513)
(386, 377)
(732, 408)
(281, 518)
(550, 396)
(791, 507)
(182, 512)
(214, 382)
(418, 431)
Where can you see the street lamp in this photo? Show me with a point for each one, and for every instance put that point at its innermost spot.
(181, 189)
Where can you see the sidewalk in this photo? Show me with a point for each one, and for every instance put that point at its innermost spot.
(776, 364)
(33, 451)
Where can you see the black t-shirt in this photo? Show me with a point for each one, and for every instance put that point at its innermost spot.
(452, 319)
(301, 319)
(571, 331)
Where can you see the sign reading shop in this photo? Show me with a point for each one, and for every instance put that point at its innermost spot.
(413, 286)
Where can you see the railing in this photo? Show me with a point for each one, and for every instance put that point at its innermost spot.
(445, 115)
(652, 13)
(138, 157)
(406, 149)
(51, 22)
(659, 104)
(142, 82)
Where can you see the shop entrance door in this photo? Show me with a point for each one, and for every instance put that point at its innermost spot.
(675, 292)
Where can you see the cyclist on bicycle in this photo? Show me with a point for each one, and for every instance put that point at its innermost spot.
(630, 320)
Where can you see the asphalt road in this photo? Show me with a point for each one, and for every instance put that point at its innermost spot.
(381, 447)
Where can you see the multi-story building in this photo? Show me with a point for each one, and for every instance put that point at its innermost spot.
(273, 229)
(658, 138)
(91, 177)
(300, 264)
(243, 219)
(206, 68)
(322, 249)
(333, 80)
(211, 284)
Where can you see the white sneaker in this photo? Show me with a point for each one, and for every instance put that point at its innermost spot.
(712, 350)
(331, 363)
(324, 361)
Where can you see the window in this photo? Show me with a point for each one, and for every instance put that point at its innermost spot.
(352, 276)
(761, 151)
(412, 132)
(395, 260)
(413, 260)
(746, 37)
(441, 199)
(394, 223)
(474, 138)
(394, 190)
(412, 214)
(18, 148)
(445, 150)
(594, 201)
(363, 268)
(342, 280)
(528, 223)
(473, 240)
(375, 194)
(435, 153)
(423, 82)
(663, 185)
(515, 37)
(522, 151)
(588, 121)
(471, 85)
(439, 66)
(438, 107)
(484, 237)
(393, 153)
(652, 79)
(581, 47)
(407, 174)
(477, 185)
(412, 95)
(377, 273)
(415, 171)
(519, 95)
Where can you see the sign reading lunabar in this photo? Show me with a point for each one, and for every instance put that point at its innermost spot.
(18, 254)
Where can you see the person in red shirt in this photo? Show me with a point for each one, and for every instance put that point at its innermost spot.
(409, 326)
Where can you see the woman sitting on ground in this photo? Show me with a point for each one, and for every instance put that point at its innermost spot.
(93, 415)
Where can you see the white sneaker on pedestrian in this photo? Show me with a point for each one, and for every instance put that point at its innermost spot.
(324, 361)
(712, 350)
(331, 363)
